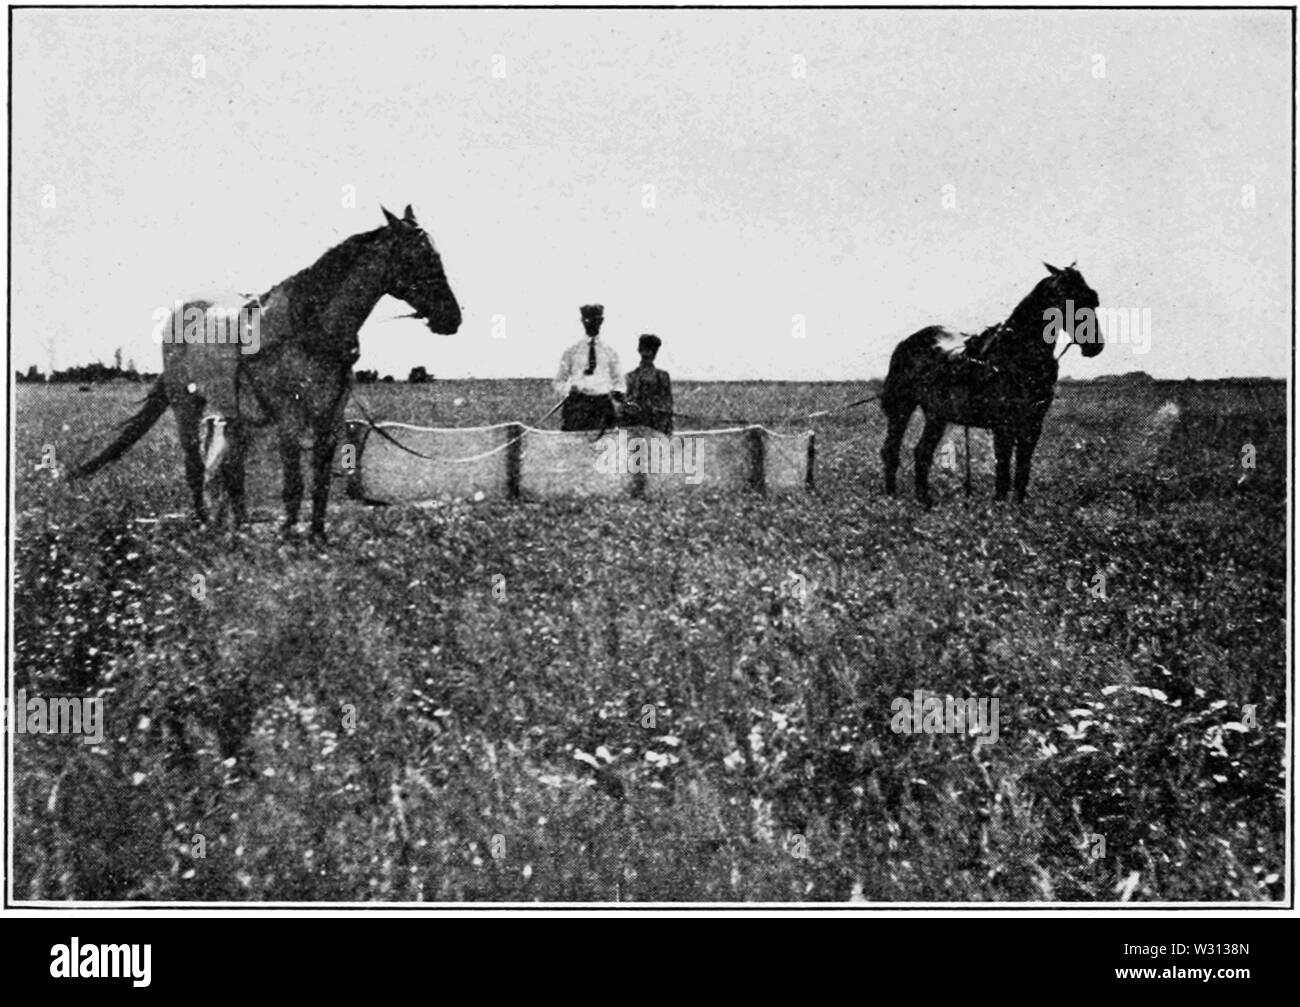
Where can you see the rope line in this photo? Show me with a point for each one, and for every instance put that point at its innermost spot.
(785, 420)
(452, 461)
(733, 424)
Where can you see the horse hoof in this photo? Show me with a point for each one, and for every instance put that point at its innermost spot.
(317, 536)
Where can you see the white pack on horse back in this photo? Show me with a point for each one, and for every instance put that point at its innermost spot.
(292, 352)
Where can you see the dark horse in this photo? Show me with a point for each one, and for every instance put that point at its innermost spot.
(1000, 380)
(287, 362)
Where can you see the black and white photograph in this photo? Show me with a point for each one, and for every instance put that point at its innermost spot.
(712, 458)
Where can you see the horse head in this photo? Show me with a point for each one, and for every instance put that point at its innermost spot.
(1072, 308)
(416, 275)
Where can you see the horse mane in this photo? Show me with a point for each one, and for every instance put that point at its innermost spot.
(1030, 308)
(310, 289)
(1026, 319)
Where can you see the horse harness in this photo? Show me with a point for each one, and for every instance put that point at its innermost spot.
(214, 425)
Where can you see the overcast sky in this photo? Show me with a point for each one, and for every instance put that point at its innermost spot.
(917, 171)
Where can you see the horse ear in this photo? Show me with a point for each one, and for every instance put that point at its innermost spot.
(409, 216)
(392, 221)
(1050, 268)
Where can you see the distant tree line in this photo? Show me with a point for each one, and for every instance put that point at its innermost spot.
(85, 374)
(418, 376)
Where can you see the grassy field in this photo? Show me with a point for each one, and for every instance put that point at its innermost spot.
(669, 699)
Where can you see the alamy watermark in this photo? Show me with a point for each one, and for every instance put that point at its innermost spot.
(924, 714)
(214, 324)
(83, 715)
(662, 455)
(1126, 326)
(75, 960)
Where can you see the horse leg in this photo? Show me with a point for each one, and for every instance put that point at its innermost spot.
(922, 455)
(291, 459)
(1024, 452)
(1003, 444)
(232, 472)
(322, 463)
(215, 446)
(187, 427)
(899, 417)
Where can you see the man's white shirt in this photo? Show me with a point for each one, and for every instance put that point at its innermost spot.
(607, 377)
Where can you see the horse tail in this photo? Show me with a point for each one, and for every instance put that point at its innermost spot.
(155, 404)
(893, 394)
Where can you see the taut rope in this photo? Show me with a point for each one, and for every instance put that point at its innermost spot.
(448, 461)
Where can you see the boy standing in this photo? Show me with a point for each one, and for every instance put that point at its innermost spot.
(649, 390)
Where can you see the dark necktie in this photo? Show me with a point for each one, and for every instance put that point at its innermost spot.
(591, 358)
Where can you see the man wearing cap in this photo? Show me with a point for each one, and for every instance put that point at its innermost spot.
(590, 378)
(649, 390)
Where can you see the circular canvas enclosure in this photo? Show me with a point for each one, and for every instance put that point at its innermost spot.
(398, 463)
